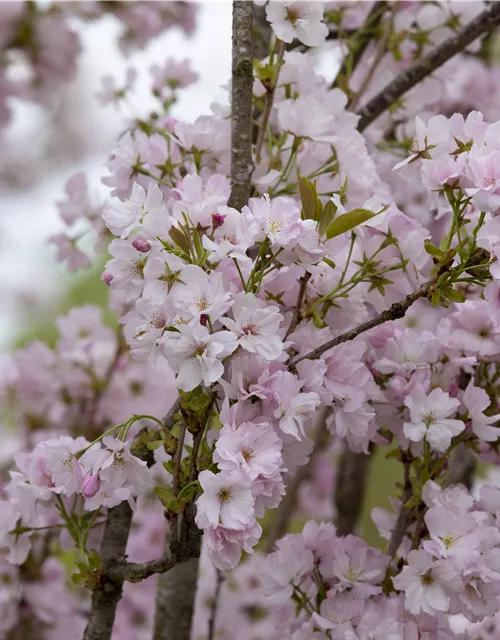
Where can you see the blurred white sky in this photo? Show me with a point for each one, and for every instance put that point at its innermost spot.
(28, 215)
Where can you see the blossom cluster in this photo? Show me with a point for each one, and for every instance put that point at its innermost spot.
(61, 469)
(278, 323)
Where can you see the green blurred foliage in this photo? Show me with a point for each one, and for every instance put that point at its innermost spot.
(79, 289)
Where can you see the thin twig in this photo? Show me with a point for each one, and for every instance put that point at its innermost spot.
(215, 603)
(297, 317)
(482, 24)
(241, 104)
(363, 37)
(287, 506)
(268, 102)
(404, 516)
(381, 51)
(395, 311)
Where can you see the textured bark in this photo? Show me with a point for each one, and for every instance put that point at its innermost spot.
(241, 104)
(262, 32)
(175, 602)
(105, 600)
(351, 489)
(406, 80)
(113, 554)
(463, 465)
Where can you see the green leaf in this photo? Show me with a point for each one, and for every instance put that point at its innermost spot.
(308, 198)
(188, 492)
(200, 250)
(453, 295)
(348, 221)
(154, 445)
(327, 216)
(167, 499)
(329, 262)
(432, 250)
(436, 297)
(94, 560)
(169, 466)
(180, 239)
(413, 502)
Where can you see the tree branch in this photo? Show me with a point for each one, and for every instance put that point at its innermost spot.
(300, 298)
(241, 104)
(404, 515)
(395, 311)
(351, 488)
(463, 465)
(177, 587)
(136, 572)
(482, 24)
(213, 609)
(113, 553)
(105, 600)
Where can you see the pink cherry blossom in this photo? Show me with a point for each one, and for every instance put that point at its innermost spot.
(226, 500)
(426, 583)
(430, 418)
(297, 19)
(196, 354)
(256, 325)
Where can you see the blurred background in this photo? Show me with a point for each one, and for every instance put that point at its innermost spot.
(43, 146)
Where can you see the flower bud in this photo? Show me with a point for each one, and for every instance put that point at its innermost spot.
(203, 319)
(91, 485)
(217, 219)
(141, 245)
(107, 278)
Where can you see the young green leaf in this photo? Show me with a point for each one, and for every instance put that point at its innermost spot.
(348, 221)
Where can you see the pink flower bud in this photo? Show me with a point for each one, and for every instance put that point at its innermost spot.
(106, 278)
(203, 319)
(91, 485)
(453, 390)
(217, 219)
(141, 245)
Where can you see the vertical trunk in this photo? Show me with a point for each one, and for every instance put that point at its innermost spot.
(175, 602)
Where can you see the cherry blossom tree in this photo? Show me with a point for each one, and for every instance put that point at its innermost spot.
(304, 279)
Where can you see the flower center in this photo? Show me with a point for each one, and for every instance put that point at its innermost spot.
(198, 350)
(202, 302)
(247, 454)
(449, 540)
(428, 578)
(157, 321)
(231, 238)
(250, 329)
(224, 495)
(275, 225)
(429, 418)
